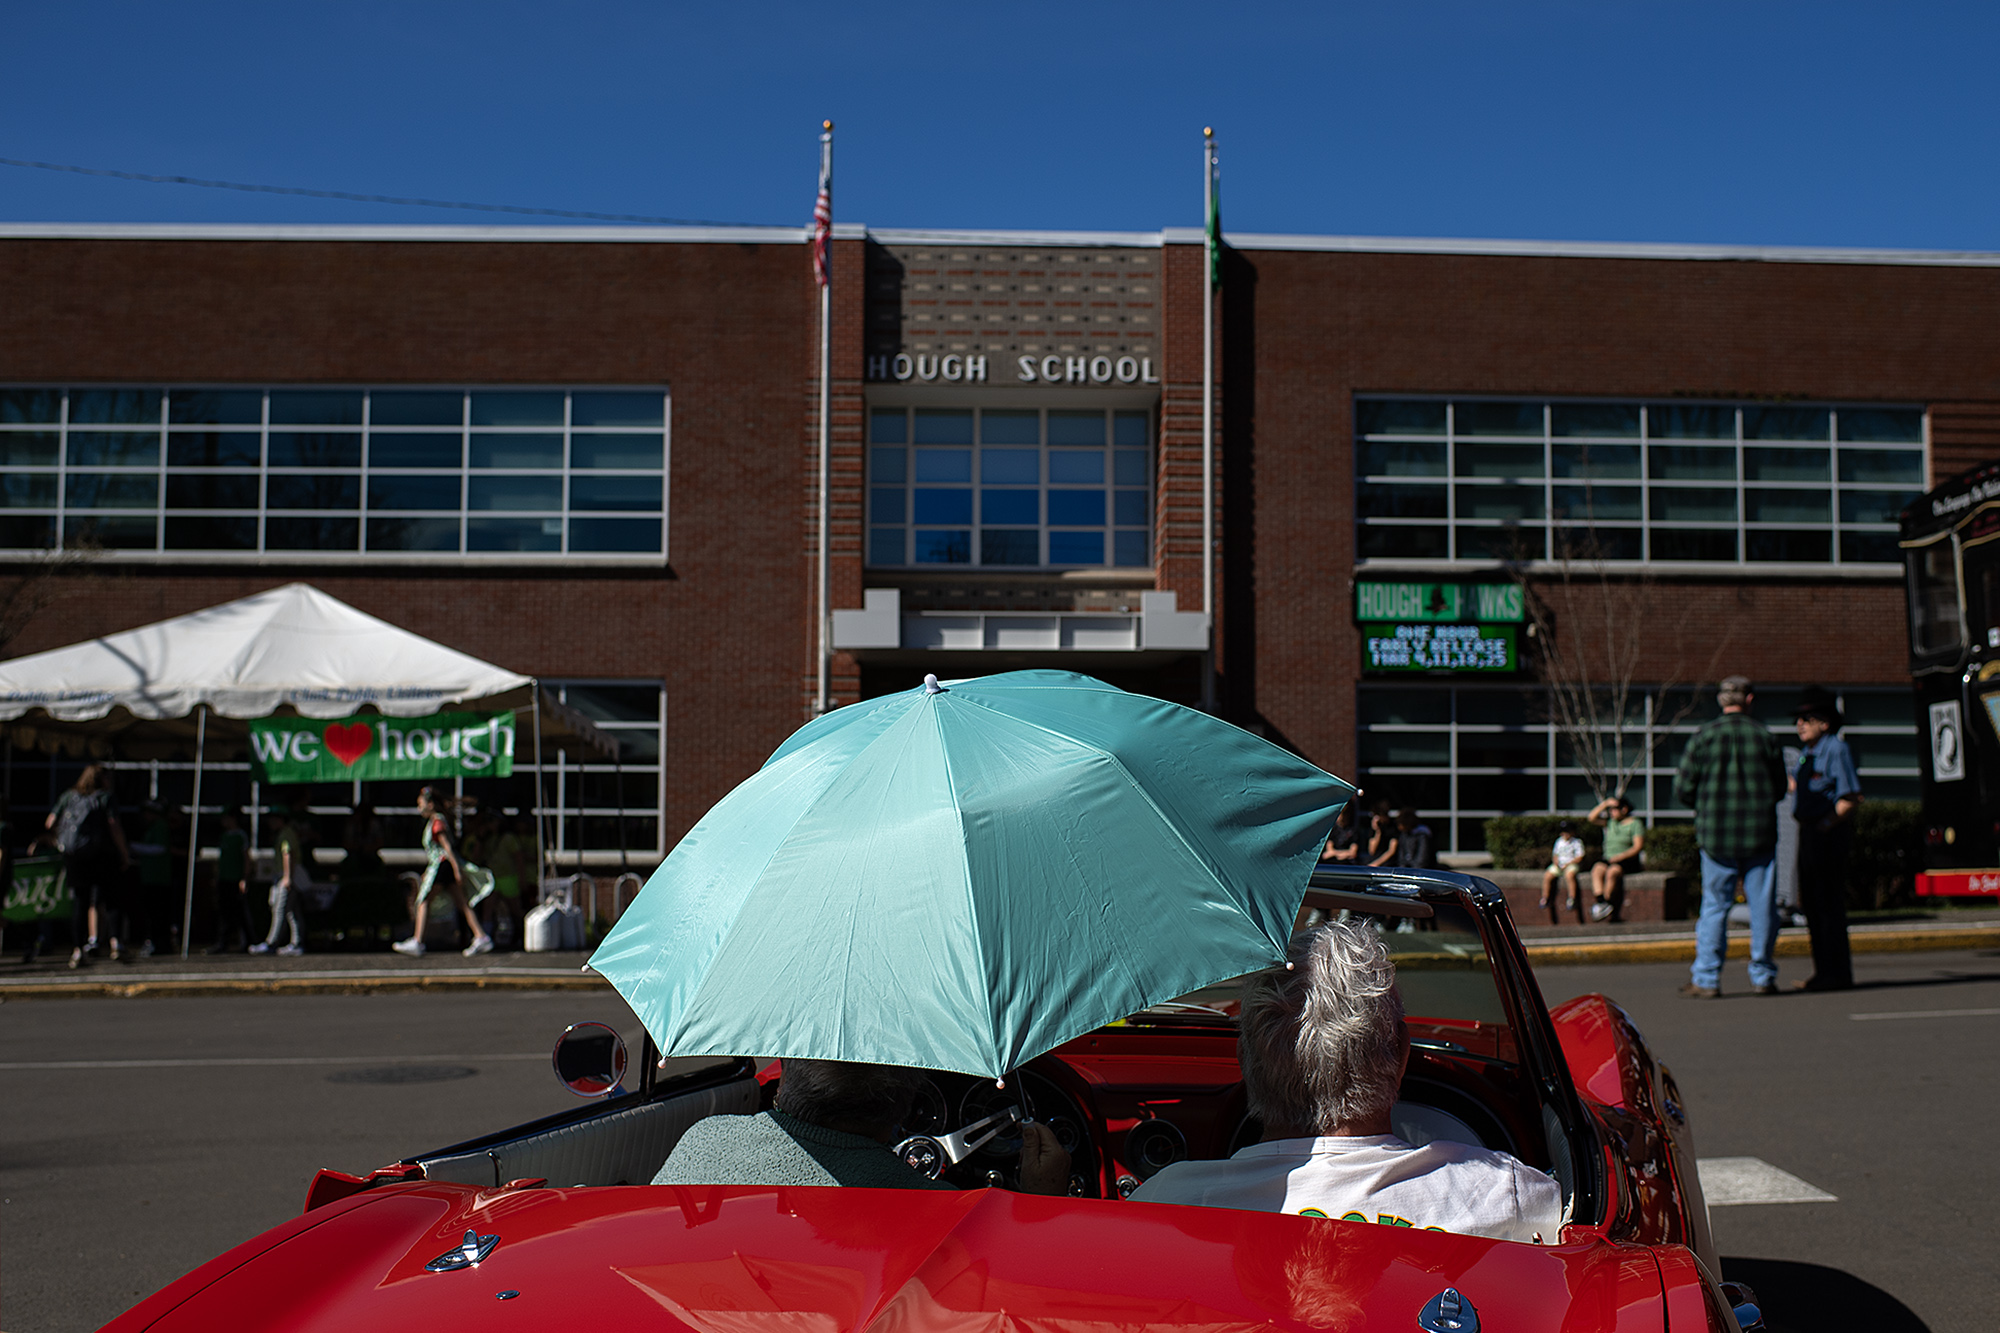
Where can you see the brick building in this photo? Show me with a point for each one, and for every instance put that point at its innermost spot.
(590, 454)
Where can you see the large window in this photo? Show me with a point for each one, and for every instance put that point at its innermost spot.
(1690, 483)
(1462, 755)
(607, 812)
(1010, 487)
(335, 473)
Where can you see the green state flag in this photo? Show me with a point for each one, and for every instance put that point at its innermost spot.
(375, 749)
(1214, 220)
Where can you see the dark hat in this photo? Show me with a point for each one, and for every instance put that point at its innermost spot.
(1567, 827)
(1818, 701)
(1734, 691)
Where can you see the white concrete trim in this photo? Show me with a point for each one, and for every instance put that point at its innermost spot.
(847, 231)
(1670, 570)
(1770, 254)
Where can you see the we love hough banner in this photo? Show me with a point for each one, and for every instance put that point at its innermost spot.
(373, 749)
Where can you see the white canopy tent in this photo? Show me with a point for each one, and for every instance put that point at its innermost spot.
(292, 648)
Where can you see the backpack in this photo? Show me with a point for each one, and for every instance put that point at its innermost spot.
(83, 824)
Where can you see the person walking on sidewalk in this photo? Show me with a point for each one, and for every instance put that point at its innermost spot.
(1826, 794)
(1733, 776)
(467, 884)
(288, 889)
(95, 858)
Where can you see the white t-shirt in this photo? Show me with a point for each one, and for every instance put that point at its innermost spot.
(1569, 849)
(1442, 1186)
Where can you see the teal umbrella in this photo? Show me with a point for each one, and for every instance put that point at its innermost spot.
(966, 875)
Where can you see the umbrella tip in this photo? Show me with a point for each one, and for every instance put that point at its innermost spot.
(931, 685)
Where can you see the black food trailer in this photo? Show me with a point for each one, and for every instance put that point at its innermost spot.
(1951, 552)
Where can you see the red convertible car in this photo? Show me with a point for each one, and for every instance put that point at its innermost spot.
(553, 1224)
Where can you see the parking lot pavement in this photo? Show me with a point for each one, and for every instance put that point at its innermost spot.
(146, 1136)
(1877, 1096)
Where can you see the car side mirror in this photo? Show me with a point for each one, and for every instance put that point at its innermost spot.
(590, 1060)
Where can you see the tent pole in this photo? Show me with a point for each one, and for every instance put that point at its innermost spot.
(194, 826)
(541, 845)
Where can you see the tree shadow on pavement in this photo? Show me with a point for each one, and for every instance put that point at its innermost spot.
(1810, 1298)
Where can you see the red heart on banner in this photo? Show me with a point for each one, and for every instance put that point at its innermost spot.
(349, 743)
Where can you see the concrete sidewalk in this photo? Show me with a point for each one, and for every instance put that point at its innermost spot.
(338, 973)
(1673, 941)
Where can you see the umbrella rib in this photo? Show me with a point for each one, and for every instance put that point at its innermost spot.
(965, 876)
(1200, 858)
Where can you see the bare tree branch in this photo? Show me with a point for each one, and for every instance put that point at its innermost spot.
(1592, 627)
(34, 587)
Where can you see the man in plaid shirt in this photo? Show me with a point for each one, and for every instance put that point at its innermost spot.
(1733, 775)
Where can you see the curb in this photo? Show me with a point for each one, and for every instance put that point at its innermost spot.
(1681, 948)
(1653, 949)
(304, 983)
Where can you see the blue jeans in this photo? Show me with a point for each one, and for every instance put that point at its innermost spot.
(1718, 894)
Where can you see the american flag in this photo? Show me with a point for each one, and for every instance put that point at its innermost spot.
(823, 208)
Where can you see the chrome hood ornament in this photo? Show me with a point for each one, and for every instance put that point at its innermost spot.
(1448, 1312)
(470, 1252)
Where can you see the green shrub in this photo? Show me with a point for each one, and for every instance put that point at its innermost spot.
(1888, 851)
(1527, 842)
(1670, 848)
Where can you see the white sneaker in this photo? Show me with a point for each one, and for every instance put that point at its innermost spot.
(411, 947)
(1599, 911)
(260, 948)
(291, 951)
(484, 944)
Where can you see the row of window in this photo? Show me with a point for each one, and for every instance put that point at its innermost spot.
(524, 471)
(1513, 480)
(1009, 487)
(545, 472)
(1462, 755)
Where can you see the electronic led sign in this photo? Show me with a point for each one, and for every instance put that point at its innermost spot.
(1392, 646)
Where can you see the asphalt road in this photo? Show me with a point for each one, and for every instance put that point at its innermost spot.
(114, 1181)
(1891, 1115)
(116, 1178)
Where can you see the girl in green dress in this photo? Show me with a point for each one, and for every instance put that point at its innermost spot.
(467, 883)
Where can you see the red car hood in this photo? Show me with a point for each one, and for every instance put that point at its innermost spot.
(743, 1259)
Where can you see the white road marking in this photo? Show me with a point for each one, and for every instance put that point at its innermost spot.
(271, 1061)
(1733, 1180)
(1928, 1013)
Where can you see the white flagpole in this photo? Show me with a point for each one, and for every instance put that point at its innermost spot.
(825, 420)
(1208, 416)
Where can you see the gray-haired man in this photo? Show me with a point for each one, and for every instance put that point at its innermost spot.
(1323, 1052)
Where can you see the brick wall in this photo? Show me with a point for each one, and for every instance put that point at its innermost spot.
(729, 623)
(728, 327)
(1327, 326)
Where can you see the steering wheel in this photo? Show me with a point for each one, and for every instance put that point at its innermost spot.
(931, 1154)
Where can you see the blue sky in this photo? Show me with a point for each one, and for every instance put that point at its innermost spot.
(1759, 123)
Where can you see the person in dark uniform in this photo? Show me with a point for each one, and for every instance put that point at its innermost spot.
(1827, 793)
